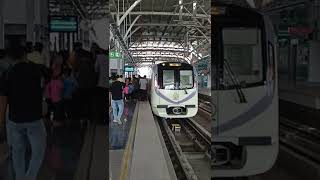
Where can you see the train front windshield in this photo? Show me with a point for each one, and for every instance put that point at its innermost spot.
(239, 49)
(175, 78)
(243, 52)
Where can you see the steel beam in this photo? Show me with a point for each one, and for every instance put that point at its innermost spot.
(135, 30)
(163, 13)
(172, 25)
(125, 14)
(132, 24)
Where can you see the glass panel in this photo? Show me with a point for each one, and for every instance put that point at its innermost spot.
(186, 79)
(168, 79)
(242, 50)
(271, 68)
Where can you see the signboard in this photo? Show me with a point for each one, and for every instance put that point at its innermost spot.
(63, 24)
(300, 31)
(283, 34)
(203, 66)
(129, 69)
(114, 54)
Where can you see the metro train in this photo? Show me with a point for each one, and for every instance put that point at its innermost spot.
(174, 90)
(245, 132)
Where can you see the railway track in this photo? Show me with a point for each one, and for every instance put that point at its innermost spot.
(303, 140)
(182, 167)
(186, 146)
(193, 141)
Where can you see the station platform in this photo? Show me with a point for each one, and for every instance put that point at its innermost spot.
(204, 91)
(301, 93)
(78, 153)
(137, 150)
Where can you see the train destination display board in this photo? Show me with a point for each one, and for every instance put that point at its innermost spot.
(63, 24)
(129, 69)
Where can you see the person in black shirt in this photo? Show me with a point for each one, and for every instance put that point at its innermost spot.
(21, 89)
(117, 103)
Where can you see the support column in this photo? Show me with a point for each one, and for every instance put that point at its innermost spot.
(317, 20)
(1, 25)
(292, 65)
(71, 36)
(44, 30)
(30, 20)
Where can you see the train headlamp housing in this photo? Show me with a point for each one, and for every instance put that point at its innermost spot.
(156, 85)
(218, 10)
(174, 64)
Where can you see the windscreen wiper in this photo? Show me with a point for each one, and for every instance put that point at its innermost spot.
(235, 82)
(185, 90)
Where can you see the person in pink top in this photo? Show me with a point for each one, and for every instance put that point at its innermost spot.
(126, 90)
(54, 93)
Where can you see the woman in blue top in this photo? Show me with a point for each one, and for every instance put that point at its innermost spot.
(70, 84)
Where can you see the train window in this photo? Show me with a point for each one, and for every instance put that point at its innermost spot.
(186, 79)
(243, 52)
(168, 79)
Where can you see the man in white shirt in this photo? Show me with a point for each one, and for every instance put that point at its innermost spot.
(143, 87)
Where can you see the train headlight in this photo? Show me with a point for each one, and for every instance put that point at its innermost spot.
(156, 86)
(174, 64)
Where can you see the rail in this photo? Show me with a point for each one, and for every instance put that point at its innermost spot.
(301, 139)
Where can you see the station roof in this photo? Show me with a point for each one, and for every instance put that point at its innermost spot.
(275, 6)
(158, 30)
(86, 9)
(166, 30)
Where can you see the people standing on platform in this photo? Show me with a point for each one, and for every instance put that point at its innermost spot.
(136, 86)
(143, 88)
(20, 88)
(126, 90)
(116, 92)
(131, 89)
(120, 78)
(5, 61)
(101, 94)
(69, 87)
(75, 55)
(56, 65)
(87, 81)
(35, 55)
(54, 92)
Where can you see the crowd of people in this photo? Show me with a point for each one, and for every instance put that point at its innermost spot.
(66, 91)
(123, 90)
